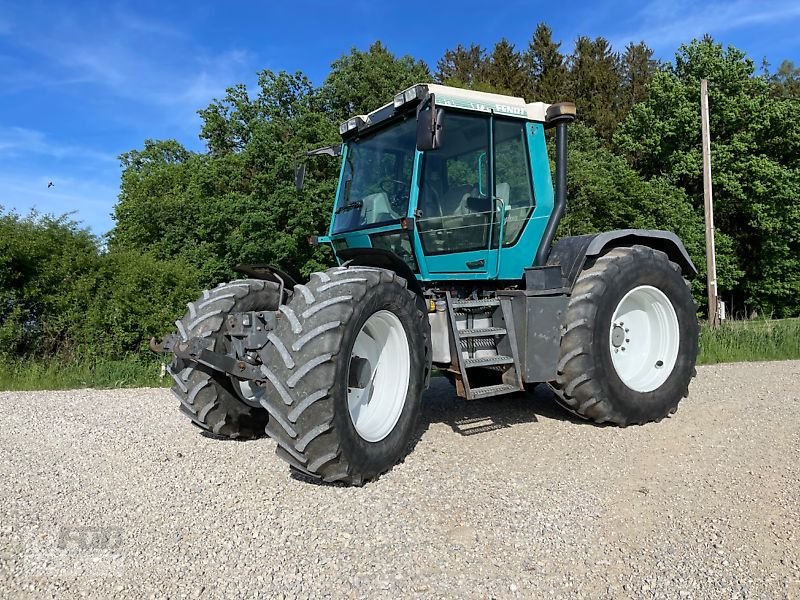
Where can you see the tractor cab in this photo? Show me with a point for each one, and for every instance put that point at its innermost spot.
(455, 183)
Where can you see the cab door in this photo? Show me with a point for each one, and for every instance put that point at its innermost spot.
(457, 214)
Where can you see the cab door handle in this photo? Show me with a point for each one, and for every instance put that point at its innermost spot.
(474, 264)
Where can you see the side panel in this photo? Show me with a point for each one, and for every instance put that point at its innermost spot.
(537, 322)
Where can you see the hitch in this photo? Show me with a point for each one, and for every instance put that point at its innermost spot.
(197, 350)
(247, 332)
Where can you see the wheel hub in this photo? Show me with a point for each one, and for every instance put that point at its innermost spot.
(647, 363)
(617, 336)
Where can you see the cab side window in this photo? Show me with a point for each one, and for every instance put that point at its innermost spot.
(512, 176)
(454, 196)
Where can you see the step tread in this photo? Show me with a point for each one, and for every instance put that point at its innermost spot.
(481, 332)
(483, 303)
(488, 361)
(493, 390)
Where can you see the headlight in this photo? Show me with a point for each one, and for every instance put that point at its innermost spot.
(352, 123)
(406, 96)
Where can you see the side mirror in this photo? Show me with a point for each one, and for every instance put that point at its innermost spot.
(299, 175)
(300, 162)
(430, 126)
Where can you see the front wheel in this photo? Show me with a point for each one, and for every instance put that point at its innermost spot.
(630, 341)
(346, 373)
(208, 397)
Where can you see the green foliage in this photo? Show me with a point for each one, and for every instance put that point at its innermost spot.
(62, 296)
(786, 80)
(504, 72)
(750, 341)
(463, 67)
(360, 82)
(594, 82)
(605, 193)
(755, 162)
(236, 204)
(547, 69)
(136, 297)
(638, 68)
(47, 266)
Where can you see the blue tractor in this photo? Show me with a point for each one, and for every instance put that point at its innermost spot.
(443, 229)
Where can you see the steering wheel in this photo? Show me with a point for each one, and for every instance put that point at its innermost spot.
(398, 193)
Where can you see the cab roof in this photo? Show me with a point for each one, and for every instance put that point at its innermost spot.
(447, 96)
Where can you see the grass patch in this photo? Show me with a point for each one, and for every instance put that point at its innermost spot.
(54, 375)
(737, 341)
(734, 341)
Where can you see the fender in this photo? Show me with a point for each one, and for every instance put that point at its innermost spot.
(267, 273)
(570, 253)
(383, 259)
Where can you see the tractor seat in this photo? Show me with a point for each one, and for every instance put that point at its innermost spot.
(377, 209)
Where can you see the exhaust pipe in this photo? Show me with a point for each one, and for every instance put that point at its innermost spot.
(559, 116)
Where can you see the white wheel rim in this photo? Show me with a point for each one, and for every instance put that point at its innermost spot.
(644, 338)
(250, 392)
(375, 408)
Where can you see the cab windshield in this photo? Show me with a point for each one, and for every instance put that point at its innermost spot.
(376, 179)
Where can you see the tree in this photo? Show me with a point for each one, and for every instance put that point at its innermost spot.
(546, 68)
(756, 164)
(786, 80)
(638, 68)
(505, 73)
(237, 203)
(463, 67)
(360, 82)
(594, 83)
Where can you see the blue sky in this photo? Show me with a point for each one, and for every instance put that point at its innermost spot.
(82, 82)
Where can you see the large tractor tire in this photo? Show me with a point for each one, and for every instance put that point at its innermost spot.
(207, 396)
(631, 336)
(347, 368)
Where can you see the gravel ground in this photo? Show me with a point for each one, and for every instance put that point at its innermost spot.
(113, 493)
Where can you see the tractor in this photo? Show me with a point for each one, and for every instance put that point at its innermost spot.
(443, 230)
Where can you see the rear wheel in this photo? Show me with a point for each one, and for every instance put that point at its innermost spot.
(207, 396)
(631, 336)
(346, 374)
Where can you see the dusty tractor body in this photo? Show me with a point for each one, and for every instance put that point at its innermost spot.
(443, 227)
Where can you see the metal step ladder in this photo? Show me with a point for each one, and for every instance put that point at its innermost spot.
(504, 340)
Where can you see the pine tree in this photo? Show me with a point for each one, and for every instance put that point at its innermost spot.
(638, 68)
(594, 83)
(545, 67)
(505, 73)
(463, 67)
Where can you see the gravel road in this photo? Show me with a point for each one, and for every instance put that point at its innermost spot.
(112, 493)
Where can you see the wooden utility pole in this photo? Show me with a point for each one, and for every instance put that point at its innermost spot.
(708, 201)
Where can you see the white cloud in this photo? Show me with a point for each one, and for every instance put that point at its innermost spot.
(143, 61)
(19, 141)
(667, 22)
